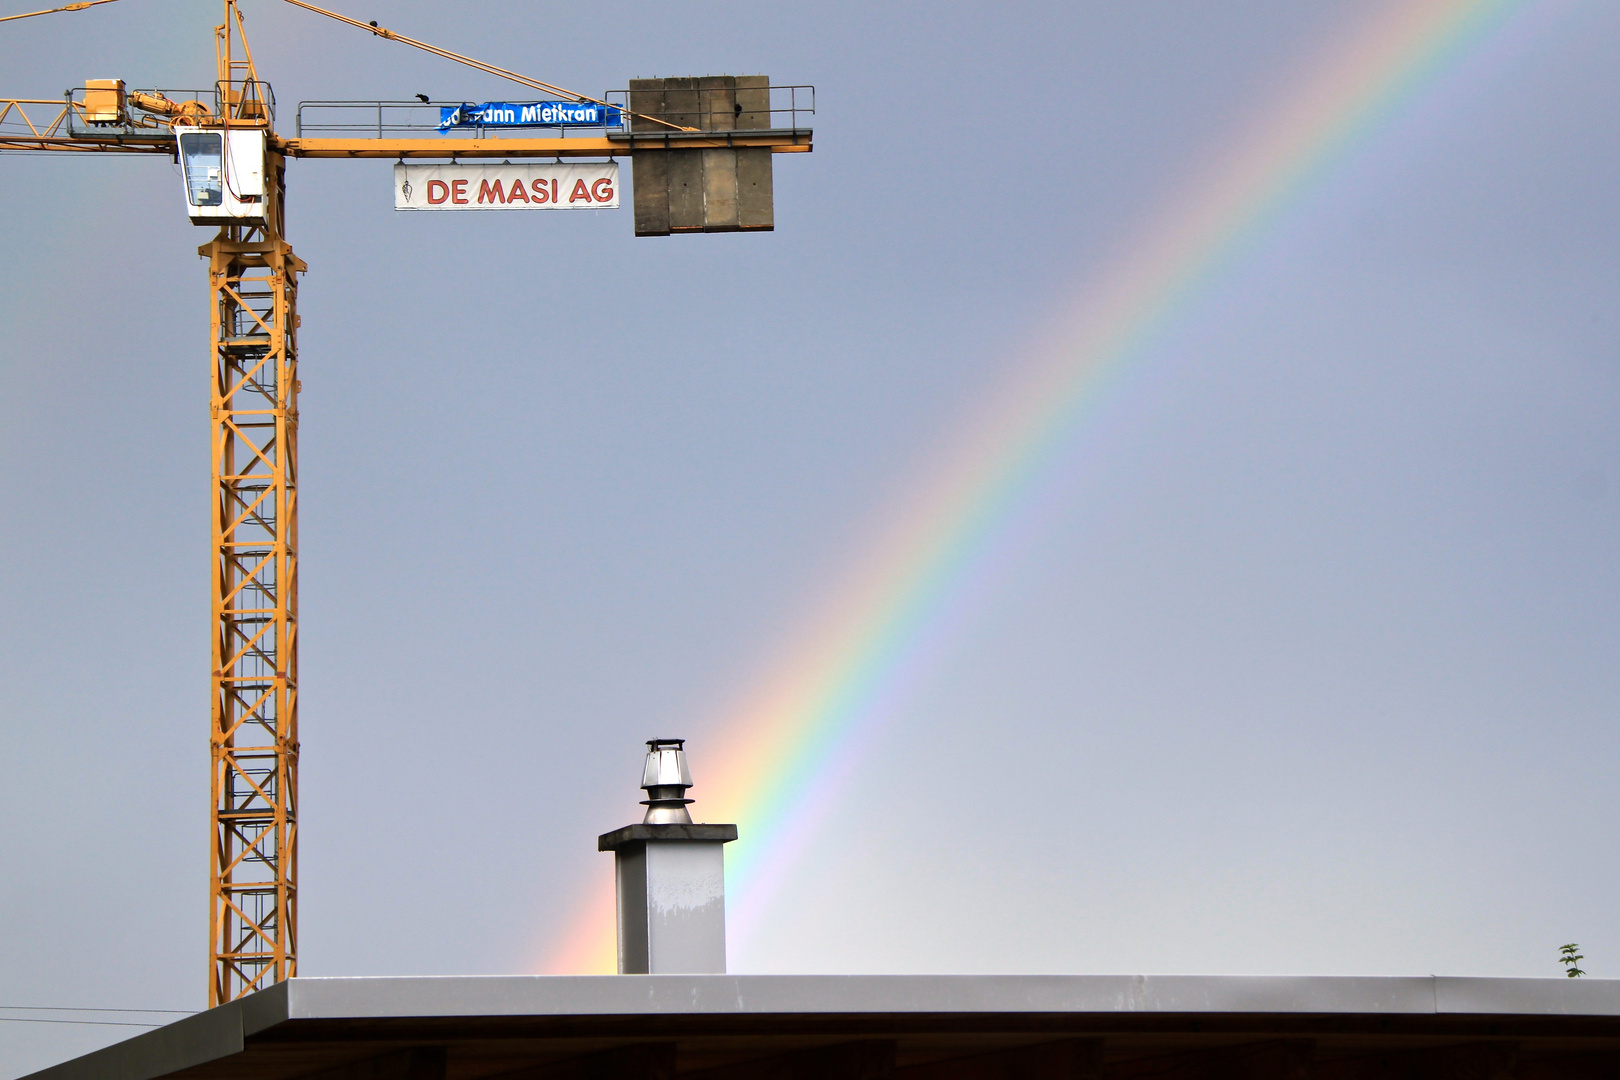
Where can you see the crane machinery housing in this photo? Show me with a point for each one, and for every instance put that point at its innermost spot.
(701, 153)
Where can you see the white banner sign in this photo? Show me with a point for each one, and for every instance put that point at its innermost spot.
(507, 187)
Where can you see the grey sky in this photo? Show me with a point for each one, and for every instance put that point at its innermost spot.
(1311, 668)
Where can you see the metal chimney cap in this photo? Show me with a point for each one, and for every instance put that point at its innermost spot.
(666, 764)
(666, 778)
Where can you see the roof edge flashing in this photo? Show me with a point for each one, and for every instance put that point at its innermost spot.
(199, 1039)
(264, 1009)
(630, 995)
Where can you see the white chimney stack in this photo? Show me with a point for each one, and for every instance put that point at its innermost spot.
(671, 876)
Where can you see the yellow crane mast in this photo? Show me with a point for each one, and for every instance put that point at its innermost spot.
(253, 734)
(684, 133)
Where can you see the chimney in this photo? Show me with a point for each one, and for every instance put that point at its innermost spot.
(670, 875)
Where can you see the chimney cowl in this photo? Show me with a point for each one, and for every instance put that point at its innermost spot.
(669, 877)
(665, 778)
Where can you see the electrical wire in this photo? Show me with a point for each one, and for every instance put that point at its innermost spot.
(93, 1023)
(80, 1008)
(52, 11)
(77, 1009)
(490, 69)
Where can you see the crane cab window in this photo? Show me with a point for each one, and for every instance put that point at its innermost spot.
(202, 156)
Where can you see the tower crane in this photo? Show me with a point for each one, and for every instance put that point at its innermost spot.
(701, 153)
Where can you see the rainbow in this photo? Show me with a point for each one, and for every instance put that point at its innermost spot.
(795, 742)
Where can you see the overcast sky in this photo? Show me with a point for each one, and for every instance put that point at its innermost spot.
(1311, 665)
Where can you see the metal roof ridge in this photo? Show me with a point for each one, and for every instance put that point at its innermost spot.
(627, 995)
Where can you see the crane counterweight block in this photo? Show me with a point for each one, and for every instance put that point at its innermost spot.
(720, 189)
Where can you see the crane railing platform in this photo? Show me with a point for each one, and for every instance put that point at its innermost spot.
(720, 107)
(436, 129)
(75, 123)
(788, 106)
(50, 124)
(417, 129)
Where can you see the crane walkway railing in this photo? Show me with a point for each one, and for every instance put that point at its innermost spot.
(53, 125)
(382, 119)
(717, 109)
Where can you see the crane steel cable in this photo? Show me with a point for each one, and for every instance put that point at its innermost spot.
(52, 11)
(491, 69)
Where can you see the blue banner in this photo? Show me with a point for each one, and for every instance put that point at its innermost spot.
(530, 114)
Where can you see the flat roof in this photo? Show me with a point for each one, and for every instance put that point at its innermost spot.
(485, 1026)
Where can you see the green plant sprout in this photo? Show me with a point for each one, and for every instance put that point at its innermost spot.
(1570, 957)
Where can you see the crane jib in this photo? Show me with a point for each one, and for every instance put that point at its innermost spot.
(530, 114)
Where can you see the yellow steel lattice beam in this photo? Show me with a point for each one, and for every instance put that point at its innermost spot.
(252, 276)
(52, 11)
